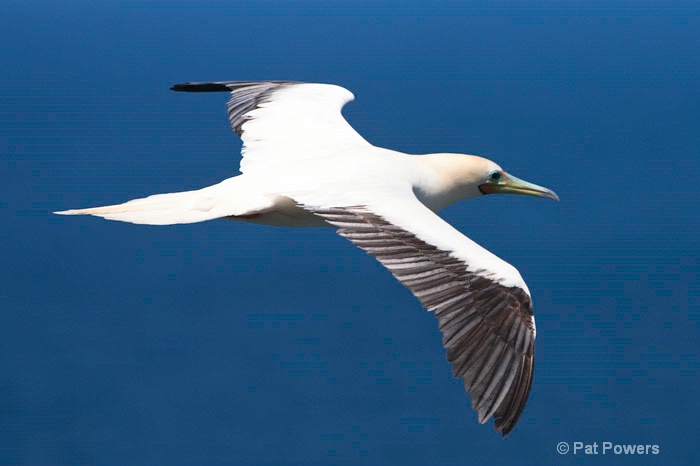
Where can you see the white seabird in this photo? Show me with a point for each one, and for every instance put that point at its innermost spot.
(304, 165)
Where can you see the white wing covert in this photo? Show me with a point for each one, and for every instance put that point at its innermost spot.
(284, 122)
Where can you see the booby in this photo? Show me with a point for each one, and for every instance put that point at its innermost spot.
(304, 165)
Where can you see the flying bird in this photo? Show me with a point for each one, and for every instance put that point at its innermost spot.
(304, 165)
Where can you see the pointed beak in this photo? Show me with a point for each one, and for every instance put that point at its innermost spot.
(509, 184)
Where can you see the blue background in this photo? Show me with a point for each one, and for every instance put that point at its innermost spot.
(228, 343)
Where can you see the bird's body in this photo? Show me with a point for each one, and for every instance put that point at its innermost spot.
(304, 165)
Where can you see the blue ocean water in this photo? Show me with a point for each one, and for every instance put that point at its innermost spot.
(228, 343)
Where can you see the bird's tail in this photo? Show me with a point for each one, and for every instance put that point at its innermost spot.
(221, 200)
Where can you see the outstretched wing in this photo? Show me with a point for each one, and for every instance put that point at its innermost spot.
(282, 122)
(484, 310)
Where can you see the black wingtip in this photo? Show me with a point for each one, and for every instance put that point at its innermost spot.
(200, 87)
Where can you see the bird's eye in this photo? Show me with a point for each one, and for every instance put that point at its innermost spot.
(494, 176)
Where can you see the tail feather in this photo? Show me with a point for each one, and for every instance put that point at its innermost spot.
(217, 201)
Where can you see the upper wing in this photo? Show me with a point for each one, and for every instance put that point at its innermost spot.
(484, 314)
(284, 122)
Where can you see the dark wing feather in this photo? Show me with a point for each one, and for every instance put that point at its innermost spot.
(487, 328)
(245, 96)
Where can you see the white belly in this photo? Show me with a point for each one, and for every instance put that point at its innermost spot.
(283, 213)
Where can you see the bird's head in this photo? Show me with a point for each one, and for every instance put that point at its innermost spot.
(460, 176)
(494, 180)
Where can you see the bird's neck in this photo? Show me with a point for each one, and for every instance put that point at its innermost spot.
(445, 179)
